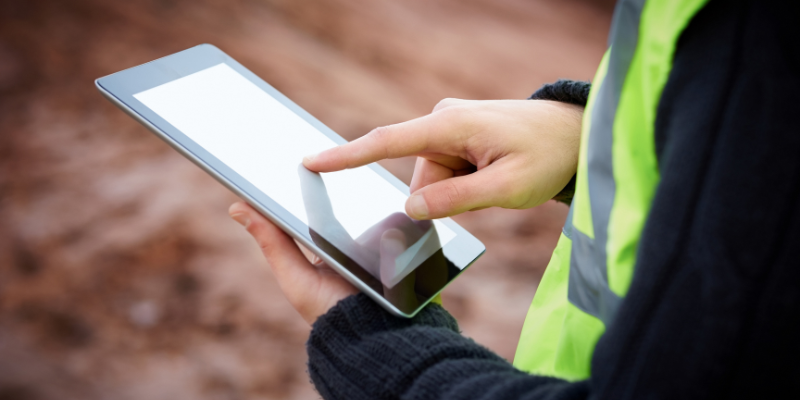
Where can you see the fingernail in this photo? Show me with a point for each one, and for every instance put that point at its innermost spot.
(242, 219)
(310, 157)
(417, 206)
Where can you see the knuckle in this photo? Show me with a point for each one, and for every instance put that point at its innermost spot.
(266, 246)
(382, 139)
(380, 133)
(262, 240)
(444, 103)
(457, 115)
(452, 112)
(452, 196)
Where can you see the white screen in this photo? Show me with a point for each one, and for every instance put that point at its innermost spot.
(265, 142)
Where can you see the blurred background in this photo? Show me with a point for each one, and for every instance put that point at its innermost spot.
(121, 275)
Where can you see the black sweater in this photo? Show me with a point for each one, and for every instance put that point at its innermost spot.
(714, 307)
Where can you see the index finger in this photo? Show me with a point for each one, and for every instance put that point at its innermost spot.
(393, 141)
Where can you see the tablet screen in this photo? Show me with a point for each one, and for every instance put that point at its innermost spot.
(264, 141)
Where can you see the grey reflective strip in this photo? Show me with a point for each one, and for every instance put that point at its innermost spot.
(588, 285)
(567, 230)
(588, 276)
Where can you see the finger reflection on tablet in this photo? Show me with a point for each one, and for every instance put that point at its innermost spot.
(390, 250)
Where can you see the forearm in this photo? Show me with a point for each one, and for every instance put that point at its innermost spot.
(359, 351)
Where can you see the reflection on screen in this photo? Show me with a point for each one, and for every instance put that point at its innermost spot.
(264, 142)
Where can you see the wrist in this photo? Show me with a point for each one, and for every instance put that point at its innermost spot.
(571, 92)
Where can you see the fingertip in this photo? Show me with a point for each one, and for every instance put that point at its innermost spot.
(417, 207)
(237, 208)
(330, 160)
(240, 213)
(308, 161)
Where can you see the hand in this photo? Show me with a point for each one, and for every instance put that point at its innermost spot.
(311, 287)
(474, 154)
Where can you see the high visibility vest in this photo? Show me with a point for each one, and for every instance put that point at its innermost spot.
(593, 263)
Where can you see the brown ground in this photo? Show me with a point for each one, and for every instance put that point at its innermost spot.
(121, 275)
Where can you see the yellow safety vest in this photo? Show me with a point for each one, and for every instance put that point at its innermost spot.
(594, 261)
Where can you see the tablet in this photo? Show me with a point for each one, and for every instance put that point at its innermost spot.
(252, 139)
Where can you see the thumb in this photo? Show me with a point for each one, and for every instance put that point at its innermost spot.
(484, 188)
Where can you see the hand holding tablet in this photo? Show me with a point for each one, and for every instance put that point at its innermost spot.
(329, 195)
(312, 289)
(252, 139)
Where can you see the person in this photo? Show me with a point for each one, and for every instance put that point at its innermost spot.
(677, 274)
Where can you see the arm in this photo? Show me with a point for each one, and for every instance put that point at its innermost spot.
(472, 154)
(712, 310)
(358, 351)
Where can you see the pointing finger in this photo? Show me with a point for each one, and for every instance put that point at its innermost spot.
(429, 133)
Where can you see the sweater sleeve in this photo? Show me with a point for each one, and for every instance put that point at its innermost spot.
(358, 351)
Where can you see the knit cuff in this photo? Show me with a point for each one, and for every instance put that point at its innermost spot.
(359, 313)
(565, 91)
(358, 351)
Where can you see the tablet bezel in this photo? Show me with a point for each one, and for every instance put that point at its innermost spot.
(120, 88)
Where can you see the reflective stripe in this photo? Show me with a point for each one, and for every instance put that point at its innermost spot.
(588, 282)
(588, 279)
(567, 229)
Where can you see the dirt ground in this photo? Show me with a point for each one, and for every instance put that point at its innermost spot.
(121, 275)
